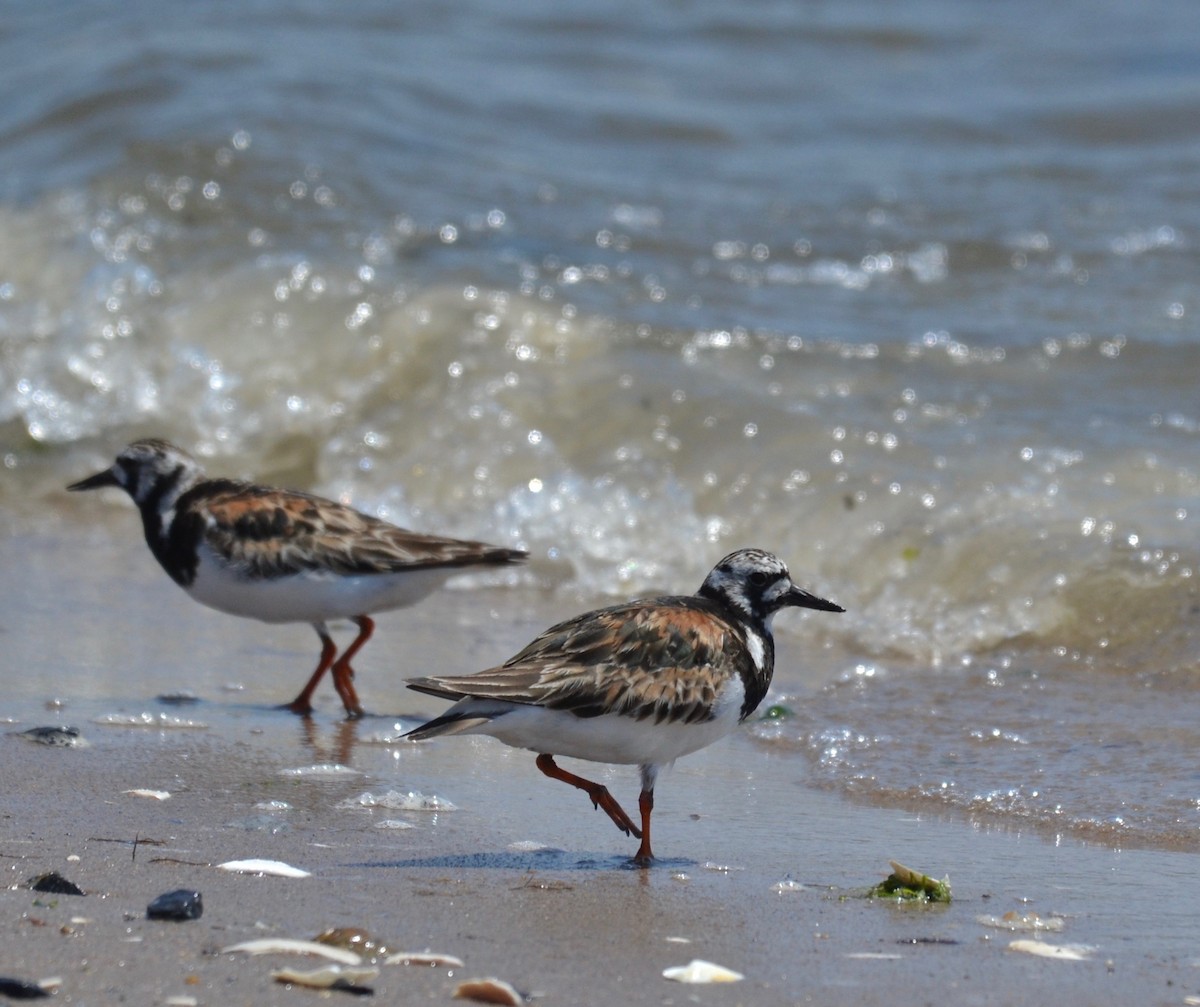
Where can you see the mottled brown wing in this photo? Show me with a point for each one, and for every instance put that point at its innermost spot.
(273, 533)
(665, 660)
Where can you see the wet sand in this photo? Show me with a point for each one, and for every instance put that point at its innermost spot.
(94, 633)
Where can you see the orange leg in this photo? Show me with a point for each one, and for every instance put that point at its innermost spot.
(599, 794)
(302, 704)
(343, 674)
(643, 857)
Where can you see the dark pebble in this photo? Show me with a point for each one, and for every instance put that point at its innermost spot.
(181, 904)
(353, 989)
(19, 989)
(178, 698)
(55, 884)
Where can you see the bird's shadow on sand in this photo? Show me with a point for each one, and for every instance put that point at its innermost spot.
(520, 860)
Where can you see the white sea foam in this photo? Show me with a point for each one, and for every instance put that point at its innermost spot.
(394, 800)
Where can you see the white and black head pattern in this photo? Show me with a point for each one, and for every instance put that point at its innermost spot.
(153, 472)
(156, 474)
(756, 584)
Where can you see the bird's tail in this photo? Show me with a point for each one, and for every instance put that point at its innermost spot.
(447, 723)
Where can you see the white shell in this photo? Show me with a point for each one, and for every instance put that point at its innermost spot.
(1063, 952)
(424, 958)
(326, 976)
(157, 795)
(273, 867)
(289, 945)
(488, 991)
(700, 971)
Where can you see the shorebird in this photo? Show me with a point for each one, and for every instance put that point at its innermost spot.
(641, 683)
(283, 556)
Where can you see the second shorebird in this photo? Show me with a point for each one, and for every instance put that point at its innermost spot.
(282, 556)
(641, 683)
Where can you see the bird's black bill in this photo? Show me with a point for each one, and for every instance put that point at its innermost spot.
(802, 599)
(105, 478)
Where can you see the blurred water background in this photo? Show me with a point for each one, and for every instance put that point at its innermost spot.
(904, 292)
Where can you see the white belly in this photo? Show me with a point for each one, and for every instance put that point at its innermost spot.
(615, 739)
(311, 597)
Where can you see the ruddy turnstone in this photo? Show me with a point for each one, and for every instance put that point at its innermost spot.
(283, 556)
(640, 683)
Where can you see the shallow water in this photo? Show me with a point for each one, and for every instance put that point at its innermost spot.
(906, 295)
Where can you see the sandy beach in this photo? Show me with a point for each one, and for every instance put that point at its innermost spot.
(522, 880)
(903, 293)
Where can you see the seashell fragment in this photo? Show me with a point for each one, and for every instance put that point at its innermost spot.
(273, 867)
(488, 991)
(1062, 952)
(352, 939)
(700, 971)
(292, 946)
(155, 795)
(429, 958)
(342, 977)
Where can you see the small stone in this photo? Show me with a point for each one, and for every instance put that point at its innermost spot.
(181, 904)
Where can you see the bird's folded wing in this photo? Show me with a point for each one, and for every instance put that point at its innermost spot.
(666, 661)
(274, 533)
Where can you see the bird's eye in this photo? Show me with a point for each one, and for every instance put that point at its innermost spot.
(758, 579)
